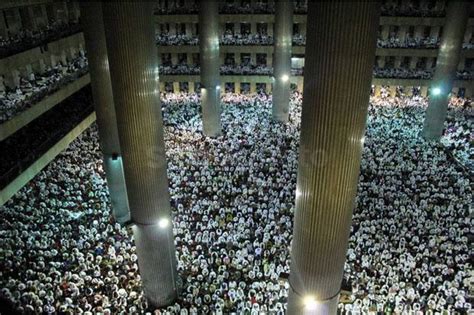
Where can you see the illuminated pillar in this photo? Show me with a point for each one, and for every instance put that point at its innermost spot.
(299, 84)
(253, 28)
(94, 35)
(237, 87)
(253, 87)
(381, 61)
(209, 55)
(191, 86)
(253, 58)
(268, 88)
(338, 54)
(392, 90)
(172, 29)
(270, 60)
(402, 33)
(434, 31)
(424, 91)
(419, 31)
(282, 62)
(462, 63)
(134, 76)
(175, 87)
(413, 62)
(429, 63)
(385, 32)
(174, 59)
(189, 31)
(377, 90)
(398, 62)
(189, 58)
(449, 51)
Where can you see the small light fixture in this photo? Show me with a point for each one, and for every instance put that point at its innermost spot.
(310, 304)
(163, 223)
(285, 77)
(436, 91)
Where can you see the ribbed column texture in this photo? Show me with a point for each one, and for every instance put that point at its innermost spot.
(209, 58)
(282, 59)
(93, 27)
(129, 30)
(457, 13)
(340, 52)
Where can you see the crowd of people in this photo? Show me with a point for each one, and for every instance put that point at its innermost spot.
(237, 39)
(29, 143)
(412, 8)
(27, 38)
(409, 42)
(418, 73)
(233, 201)
(226, 69)
(402, 73)
(237, 7)
(35, 87)
(229, 38)
(388, 8)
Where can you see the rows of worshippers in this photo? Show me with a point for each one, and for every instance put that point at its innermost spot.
(246, 7)
(228, 38)
(388, 8)
(262, 38)
(34, 87)
(27, 38)
(233, 201)
(248, 68)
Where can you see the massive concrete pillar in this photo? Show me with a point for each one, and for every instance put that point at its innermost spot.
(94, 35)
(339, 53)
(129, 30)
(209, 55)
(282, 61)
(449, 51)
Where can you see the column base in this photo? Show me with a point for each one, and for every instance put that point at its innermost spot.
(157, 263)
(298, 306)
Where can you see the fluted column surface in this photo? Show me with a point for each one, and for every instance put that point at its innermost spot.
(209, 58)
(282, 59)
(93, 27)
(449, 51)
(339, 56)
(129, 30)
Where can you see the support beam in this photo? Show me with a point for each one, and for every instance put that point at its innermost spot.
(210, 77)
(133, 64)
(339, 52)
(282, 62)
(413, 62)
(449, 51)
(93, 26)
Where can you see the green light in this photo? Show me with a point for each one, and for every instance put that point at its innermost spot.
(436, 91)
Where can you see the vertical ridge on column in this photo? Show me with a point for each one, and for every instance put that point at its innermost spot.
(282, 60)
(104, 107)
(129, 30)
(457, 14)
(209, 59)
(340, 53)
